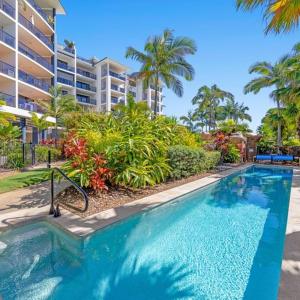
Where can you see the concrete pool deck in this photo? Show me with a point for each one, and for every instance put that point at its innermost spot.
(32, 203)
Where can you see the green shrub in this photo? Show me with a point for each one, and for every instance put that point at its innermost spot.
(41, 153)
(186, 161)
(14, 160)
(232, 154)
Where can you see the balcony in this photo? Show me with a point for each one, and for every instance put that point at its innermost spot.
(114, 100)
(7, 8)
(85, 60)
(41, 12)
(65, 67)
(154, 88)
(7, 38)
(86, 100)
(27, 24)
(116, 75)
(85, 86)
(86, 74)
(39, 83)
(118, 89)
(9, 99)
(65, 81)
(7, 69)
(28, 105)
(36, 57)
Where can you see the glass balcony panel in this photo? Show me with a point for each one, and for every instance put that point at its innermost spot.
(34, 56)
(27, 24)
(7, 8)
(7, 69)
(65, 81)
(41, 12)
(7, 38)
(39, 83)
(9, 99)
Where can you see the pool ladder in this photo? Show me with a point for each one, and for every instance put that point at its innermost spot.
(55, 210)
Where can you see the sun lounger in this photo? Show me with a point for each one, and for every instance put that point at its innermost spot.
(282, 158)
(263, 158)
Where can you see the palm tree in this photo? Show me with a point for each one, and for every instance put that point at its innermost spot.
(281, 15)
(234, 110)
(41, 123)
(163, 60)
(192, 121)
(208, 99)
(58, 105)
(270, 75)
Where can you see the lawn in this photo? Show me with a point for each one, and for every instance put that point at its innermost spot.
(23, 179)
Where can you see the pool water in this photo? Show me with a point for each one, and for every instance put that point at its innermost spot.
(221, 242)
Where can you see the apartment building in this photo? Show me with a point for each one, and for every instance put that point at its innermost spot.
(31, 62)
(27, 54)
(100, 84)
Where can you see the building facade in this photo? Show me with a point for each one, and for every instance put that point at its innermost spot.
(31, 62)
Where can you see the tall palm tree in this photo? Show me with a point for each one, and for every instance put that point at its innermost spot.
(270, 76)
(58, 105)
(163, 60)
(281, 15)
(209, 98)
(41, 123)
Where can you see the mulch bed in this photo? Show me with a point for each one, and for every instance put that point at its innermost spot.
(100, 201)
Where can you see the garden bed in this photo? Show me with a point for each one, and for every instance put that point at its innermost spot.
(100, 201)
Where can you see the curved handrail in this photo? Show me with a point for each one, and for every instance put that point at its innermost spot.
(55, 210)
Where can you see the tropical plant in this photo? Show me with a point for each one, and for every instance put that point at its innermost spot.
(208, 100)
(281, 15)
(40, 122)
(234, 110)
(163, 60)
(5, 117)
(58, 106)
(270, 76)
(231, 126)
(69, 44)
(192, 121)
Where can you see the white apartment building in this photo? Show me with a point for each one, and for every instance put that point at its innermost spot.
(31, 62)
(100, 84)
(27, 54)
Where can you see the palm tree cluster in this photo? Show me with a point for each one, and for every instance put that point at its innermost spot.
(212, 106)
(283, 78)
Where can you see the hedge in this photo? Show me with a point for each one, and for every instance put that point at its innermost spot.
(185, 161)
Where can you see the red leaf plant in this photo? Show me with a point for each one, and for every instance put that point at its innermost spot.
(86, 167)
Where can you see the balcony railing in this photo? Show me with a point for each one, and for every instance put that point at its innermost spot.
(39, 83)
(34, 56)
(41, 12)
(29, 105)
(7, 8)
(7, 69)
(7, 38)
(65, 67)
(118, 89)
(9, 99)
(86, 100)
(86, 74)
(85, 60)
(114, 100)
(65, 81)
(86, 87)
(116, 75)
(70, 50)
(27, 24)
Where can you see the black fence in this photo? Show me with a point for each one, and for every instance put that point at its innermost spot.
(16, 155)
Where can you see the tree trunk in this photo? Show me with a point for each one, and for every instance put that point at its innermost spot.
(279, 138)
(155, 96)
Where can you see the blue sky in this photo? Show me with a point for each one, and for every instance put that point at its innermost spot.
(228, 41)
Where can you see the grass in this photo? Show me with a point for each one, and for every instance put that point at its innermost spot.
(23, 180)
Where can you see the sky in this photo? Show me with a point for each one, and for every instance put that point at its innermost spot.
(228, 41)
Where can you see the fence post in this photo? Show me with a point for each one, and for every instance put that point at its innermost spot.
(49, 160)
(32, 154)
(23, 153)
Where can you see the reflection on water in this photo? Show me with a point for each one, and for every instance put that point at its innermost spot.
(224, 242)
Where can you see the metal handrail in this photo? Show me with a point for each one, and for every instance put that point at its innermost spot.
(55, 211)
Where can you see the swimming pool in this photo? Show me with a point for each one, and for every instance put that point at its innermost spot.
(221, 242)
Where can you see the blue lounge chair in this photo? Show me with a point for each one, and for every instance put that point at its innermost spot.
(283, 158)
(263, 158)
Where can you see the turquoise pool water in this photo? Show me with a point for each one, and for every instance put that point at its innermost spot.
(221, 242)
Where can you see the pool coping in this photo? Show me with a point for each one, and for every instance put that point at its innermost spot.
(82, 227)
(289, 287)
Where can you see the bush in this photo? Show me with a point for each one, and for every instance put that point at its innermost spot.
(232, 154)
(41, 153)
(14, 160)
(186, 161)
